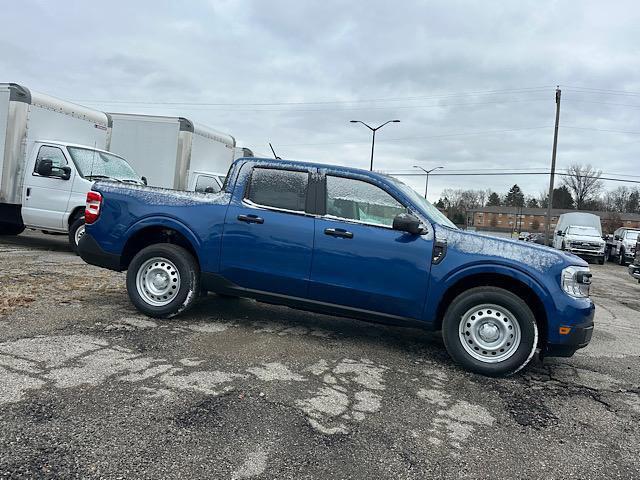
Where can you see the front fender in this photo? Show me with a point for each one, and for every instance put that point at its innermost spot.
(441, 282)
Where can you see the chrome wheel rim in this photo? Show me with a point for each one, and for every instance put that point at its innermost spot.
(158, 281)
(490, 333)
(79, 233)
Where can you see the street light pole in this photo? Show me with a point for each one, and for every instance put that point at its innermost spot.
(426, 184)
(373, 137)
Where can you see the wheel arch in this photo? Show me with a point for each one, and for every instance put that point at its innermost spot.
(148, 233)
(75, 214)
(530, 293)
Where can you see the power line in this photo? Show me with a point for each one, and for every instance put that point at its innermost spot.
(573, 100)
(502, 174)
(486, 132)
(322, 102)
(204, 107)
(602, 91)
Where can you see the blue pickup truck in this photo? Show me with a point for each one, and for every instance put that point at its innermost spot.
(345, 242)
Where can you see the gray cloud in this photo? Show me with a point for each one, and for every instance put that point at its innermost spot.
(287, 51)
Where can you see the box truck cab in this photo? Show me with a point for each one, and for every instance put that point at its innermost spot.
(44, 177)
(581, 234)
(57, 178)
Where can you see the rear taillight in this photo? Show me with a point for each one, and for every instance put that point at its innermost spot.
(92, 210)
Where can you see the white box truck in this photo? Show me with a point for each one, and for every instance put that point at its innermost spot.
(51, 153)
(174, 152)
(581, 234)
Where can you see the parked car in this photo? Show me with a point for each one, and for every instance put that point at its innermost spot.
(634, 268)
(538, 238)
(621, 246)
(346, 242)
(523, 236)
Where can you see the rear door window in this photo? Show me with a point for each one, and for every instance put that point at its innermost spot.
(277, 188)
(207, 184)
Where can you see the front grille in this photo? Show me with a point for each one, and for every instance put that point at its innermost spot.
(586, 245)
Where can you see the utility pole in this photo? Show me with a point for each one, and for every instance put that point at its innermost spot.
(373, 139)
(553, 168)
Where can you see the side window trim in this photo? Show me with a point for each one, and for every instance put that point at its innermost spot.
(323, 200)
(247, 190)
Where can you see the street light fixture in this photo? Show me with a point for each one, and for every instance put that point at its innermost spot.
(426, 184)
(373, 139)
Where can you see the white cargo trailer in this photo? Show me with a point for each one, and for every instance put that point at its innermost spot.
(50, 153)
(173, 152)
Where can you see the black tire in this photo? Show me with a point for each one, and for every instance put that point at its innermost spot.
(562, 246)
(187, 280)
(11, 229)
(621, 261)
(77, 226)
(482, 297)
(600, 260)
(607, 254)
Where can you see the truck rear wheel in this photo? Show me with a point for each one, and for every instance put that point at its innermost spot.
(621, 260)
(163, 280)
(490, 331)
(76, 231)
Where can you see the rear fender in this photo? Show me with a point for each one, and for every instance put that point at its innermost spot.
(170, 223)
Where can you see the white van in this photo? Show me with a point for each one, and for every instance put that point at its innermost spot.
(581, 234)
(44, 178)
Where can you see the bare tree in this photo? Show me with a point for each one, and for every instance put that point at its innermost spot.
(616, 200)
(584, 183)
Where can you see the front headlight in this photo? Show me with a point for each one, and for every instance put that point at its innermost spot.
(576, 281)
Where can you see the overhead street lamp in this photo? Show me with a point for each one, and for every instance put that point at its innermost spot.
(426, 184)
(373, 140)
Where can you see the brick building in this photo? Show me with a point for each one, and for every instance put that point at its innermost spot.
(534, 219)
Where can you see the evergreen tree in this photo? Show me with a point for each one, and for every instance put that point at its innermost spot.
(494, 200)
(532, 203)
(562, 198)
(514, 197)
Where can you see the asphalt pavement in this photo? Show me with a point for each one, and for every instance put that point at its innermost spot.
(233, 389)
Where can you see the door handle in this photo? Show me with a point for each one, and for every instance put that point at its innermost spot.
(28, 192)
(250, 219)
(338, 232)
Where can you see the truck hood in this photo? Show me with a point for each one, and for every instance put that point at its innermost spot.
(539, 257)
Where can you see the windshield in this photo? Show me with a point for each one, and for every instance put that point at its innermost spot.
(436, 215)
(94, 164)
(584, 231)
(633, 236)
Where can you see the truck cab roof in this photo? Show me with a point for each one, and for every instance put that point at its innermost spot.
(76, 145)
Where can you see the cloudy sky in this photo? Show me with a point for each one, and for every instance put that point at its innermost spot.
(472, 82)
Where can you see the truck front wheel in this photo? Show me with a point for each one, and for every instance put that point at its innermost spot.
(11, 229)
(491, 331)
(163, 280)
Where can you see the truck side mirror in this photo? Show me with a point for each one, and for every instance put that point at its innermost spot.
(559, 233)
(45, 166)
(616, 237)
(66, 172)
(144, 180)
(405, 222)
